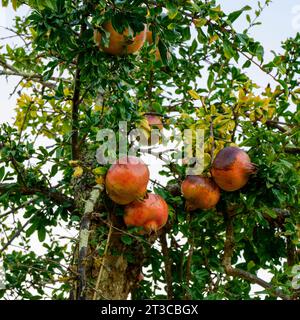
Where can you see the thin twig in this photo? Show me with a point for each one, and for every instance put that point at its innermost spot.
(25, 204)
(18, 232)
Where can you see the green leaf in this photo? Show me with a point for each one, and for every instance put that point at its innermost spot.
(285, 86)
(42, 234)
(250, 265)
(75, 218)
(210, 80)
(163, 52)
(260, 53)
(271, 213)
(235, 15)
(228, 50)
(30, 230)
(127, 239)
(247, 64)
(2, 173)
(172, 10)
(51, 4)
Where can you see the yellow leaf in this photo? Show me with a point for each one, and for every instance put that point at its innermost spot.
(207, 160)
(213, 110)
(231, 125)
(263, 119)
(194, 94)
(98, 108)
(100, 180)
(252, 116)
(73, 163)
(213, 38)
(200, 22)
(144, 124)
(14, 4)
(271, 112)
(78, 171)
(63, 279)
(217, 120)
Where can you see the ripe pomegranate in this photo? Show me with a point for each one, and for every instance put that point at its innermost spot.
(126, 182)
(200, 193)
(120, 44)
(231, 168)
(154, 121)
(150, 213)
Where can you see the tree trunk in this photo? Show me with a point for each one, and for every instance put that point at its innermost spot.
(110, 276)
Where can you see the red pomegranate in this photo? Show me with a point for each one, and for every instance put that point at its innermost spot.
(150, 213)
(127, 180)
(154, 121)
(200, 193)
(120, 44)
(231, 168)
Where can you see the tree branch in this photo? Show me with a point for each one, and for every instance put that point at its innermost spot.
(275, 125)
(84, 239)
(292, 150)
(55, 196)
(235, 272)
(75, 114)
(9, 70)
(75, 104)
(14, 210)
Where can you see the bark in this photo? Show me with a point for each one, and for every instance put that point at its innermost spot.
(111, 275)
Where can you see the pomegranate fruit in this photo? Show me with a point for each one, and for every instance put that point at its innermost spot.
(150, 213)
(231, 168)
(120, 44)
(127, 180)
(154, 121)
(200, 193)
